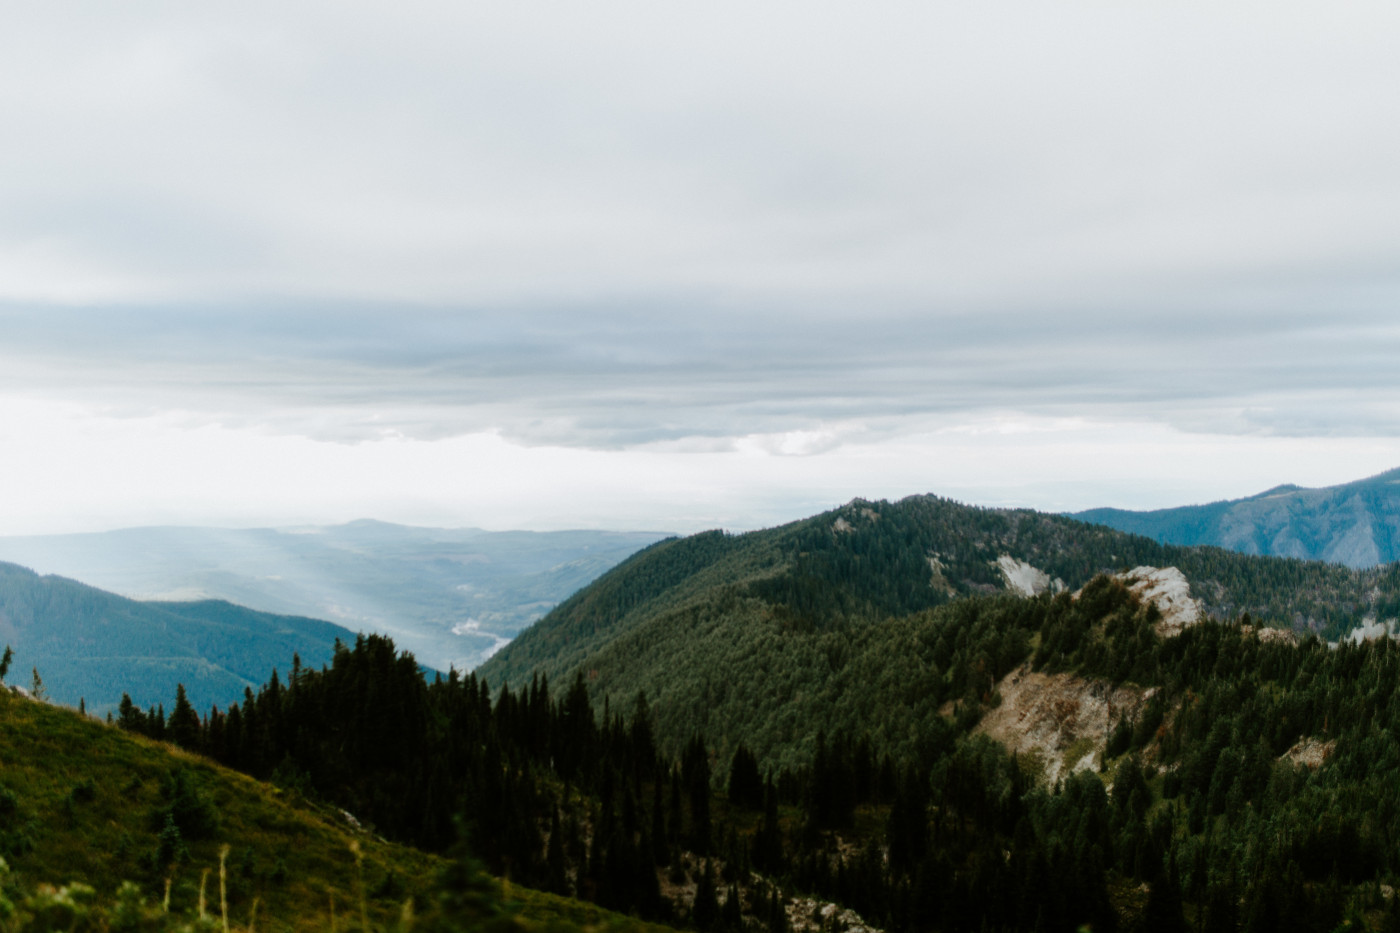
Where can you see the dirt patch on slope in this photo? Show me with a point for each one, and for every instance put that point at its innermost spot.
(1060, 720)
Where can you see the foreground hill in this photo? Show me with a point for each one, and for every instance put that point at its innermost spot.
(750, 635)
(450, 595)
(91, 645)
(1356, 524)
(86, 804)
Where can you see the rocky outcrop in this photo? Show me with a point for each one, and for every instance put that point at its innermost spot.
(1168, 589)
(1026, 580)
(1060, 721)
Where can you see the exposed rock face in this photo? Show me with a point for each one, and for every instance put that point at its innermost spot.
(806, 915)
(1022, 578)
(1168, 589)
(1370, 630)
(1283, 635)
(1062, 720)
(1309, 752)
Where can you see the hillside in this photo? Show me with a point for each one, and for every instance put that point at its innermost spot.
(1356, 524)
(92, 645)
(450, 595)
(998, 762)
(82, 803)
(745, 634)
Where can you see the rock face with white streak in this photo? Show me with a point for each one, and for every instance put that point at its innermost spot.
(1371, 630)
(1168, 589)
(1024, 579)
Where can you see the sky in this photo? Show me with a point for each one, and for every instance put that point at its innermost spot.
(672, 267)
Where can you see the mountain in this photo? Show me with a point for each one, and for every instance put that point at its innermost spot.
(750, 636)
(1132, 752)
(92, 645)
(1356, 524)
(452, 596)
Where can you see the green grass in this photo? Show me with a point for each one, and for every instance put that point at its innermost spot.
(77, 799)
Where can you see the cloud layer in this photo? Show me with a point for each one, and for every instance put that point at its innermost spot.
(793, 228)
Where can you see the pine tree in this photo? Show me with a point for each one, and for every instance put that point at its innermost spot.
(777, 914)
(732, 914)
(183, 725)
(170, 850)
(704, 912)
(554, 857)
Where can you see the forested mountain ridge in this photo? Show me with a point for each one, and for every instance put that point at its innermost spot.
(722, 630)
(1356, 524)
(1251, 789)
(91, 645)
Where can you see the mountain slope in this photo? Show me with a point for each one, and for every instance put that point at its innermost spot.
(1356, 524)
(82, 802)
(451, 596)
(94, 645)
(736, 634)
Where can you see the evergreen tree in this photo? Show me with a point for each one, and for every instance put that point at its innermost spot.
(183, 727)
(704, 912)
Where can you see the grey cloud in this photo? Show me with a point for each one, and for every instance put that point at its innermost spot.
(628, 223)
(595, 378)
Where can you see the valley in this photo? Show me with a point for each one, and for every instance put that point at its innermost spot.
(452, 596)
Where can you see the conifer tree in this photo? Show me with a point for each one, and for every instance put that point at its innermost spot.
(704, 912)
(183, 726)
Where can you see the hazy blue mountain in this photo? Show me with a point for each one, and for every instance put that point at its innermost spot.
(1356, 524)
(94, 645)
(452, 596)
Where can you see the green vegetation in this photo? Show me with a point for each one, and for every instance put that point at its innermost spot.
(755, 637)
(81, 802)
(748, 721)
(103, 829)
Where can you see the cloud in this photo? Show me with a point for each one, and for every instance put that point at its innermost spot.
(624, 225)
(619, 378)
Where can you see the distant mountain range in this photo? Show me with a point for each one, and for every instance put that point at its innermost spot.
(1356, 524)
(92, 645)
(451, 596)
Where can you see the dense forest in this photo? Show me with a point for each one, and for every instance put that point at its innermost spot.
(754, 637)
(1196, 816)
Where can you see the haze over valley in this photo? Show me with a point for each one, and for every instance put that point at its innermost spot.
(451, 596)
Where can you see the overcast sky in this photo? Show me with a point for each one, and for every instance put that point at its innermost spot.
(675, 266)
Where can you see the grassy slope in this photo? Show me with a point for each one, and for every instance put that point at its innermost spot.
(300, 851)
